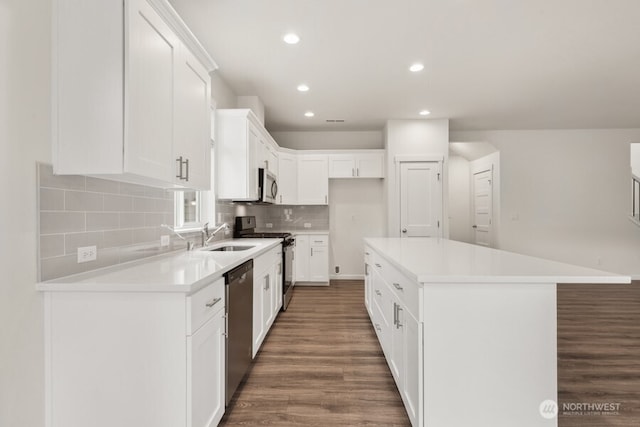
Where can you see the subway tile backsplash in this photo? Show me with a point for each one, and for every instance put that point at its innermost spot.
(124, 221)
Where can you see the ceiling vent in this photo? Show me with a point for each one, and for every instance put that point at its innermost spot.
(335, 120)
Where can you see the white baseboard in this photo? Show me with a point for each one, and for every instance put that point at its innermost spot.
(347, 277)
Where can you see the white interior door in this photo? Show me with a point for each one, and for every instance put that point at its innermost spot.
(420, 199)
(482, 202)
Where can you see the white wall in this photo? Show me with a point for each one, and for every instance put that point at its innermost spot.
(356, 211)
(24, 136)
(566, 195)
(413, 137)
(330, 140)
(459, 200)
(221, 93)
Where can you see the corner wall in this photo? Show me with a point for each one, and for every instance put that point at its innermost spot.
(566, 195)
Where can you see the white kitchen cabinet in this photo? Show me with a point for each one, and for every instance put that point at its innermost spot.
(312, 258)
(368, 285)
(135, 358)
(267, 294)
(123, 102)
(313, 179)
(360, 164)
(287, 178)
(243, 146)
(206, 393)
(399, 332)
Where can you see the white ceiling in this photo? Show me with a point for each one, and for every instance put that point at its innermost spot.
(489, 64)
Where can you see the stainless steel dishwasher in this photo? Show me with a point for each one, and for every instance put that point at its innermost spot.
(239, 287)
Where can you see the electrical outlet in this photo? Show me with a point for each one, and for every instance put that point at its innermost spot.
(87, 253)
(164, 240)
(307, 225)
(269, 225)
(337, 269)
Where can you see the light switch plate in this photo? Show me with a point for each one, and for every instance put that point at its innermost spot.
(164, 240)
(87, 253)
(269, 225)
(307, 225)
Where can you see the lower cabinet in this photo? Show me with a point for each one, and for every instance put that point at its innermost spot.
(206, 393)
(394, 318)
(267, 294)
(132, 359)
(312, 258)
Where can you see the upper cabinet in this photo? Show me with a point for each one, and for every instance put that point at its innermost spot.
(287, 178)
(361, 164)
(131, 95)
(313, 179)
(238, 136)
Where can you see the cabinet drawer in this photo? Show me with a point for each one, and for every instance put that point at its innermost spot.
(405, 289)
(202, 305)
(319, 240)
(266, 260)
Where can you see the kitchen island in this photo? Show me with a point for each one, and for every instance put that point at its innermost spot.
(469, 332)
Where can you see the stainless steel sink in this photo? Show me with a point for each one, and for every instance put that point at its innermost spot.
(230, 248)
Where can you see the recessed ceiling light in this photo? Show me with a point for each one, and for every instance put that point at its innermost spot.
(303, 88)
(425, 112)
(416, 67)
(309, 114)
(291, 38)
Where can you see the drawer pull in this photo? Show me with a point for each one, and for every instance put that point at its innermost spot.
(378, 293)
(378, 265)
(213, 302)
(378, 328)
(367, 253)
(397, 286)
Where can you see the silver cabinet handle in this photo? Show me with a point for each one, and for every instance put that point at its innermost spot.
(311, 251)
(397, 286)
(353, 172)
(398, 310)
(378, 265)
(357, 171)
(378, 328)
(404, 230)
(395, 314)
(179, 160)
(187, 165)
(367, 253)
(326, 200)
(213, 302)
(378, 293)
(281, 199)
(474, 226)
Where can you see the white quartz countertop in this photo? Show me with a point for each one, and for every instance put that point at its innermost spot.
(434, 260)
(175, 272)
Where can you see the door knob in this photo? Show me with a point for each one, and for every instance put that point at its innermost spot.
(404, 230)
(474, 226)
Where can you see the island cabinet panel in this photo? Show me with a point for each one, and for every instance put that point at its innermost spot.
(469, 332)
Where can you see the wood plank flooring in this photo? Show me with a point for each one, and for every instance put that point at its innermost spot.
(321, 364)
(599, 352)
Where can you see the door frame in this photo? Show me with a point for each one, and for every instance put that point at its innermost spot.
(472, 196)
(394, 217)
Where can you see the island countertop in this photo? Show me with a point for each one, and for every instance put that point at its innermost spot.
(437, 260)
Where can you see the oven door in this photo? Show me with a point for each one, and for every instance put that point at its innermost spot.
(288, 278)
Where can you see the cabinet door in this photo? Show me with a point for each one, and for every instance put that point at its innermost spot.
(277, 288)
(342, 166)
(396, 359)
(410, 384)
(301, 258)
(192, 142)
(370, 166)
(150, 49)
(267, 301)
(206, 374)
(258, 311)
(287, 178)
(319, 264)
(313, 180)
(271, 159)
(367, 288)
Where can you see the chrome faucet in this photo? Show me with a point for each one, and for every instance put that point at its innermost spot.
(208, 235)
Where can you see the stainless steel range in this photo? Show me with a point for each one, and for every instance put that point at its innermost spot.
(245, 228)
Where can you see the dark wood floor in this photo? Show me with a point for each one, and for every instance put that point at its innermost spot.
(599, 352)
(321, 364)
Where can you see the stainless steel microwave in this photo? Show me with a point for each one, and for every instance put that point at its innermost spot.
(267, 186)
